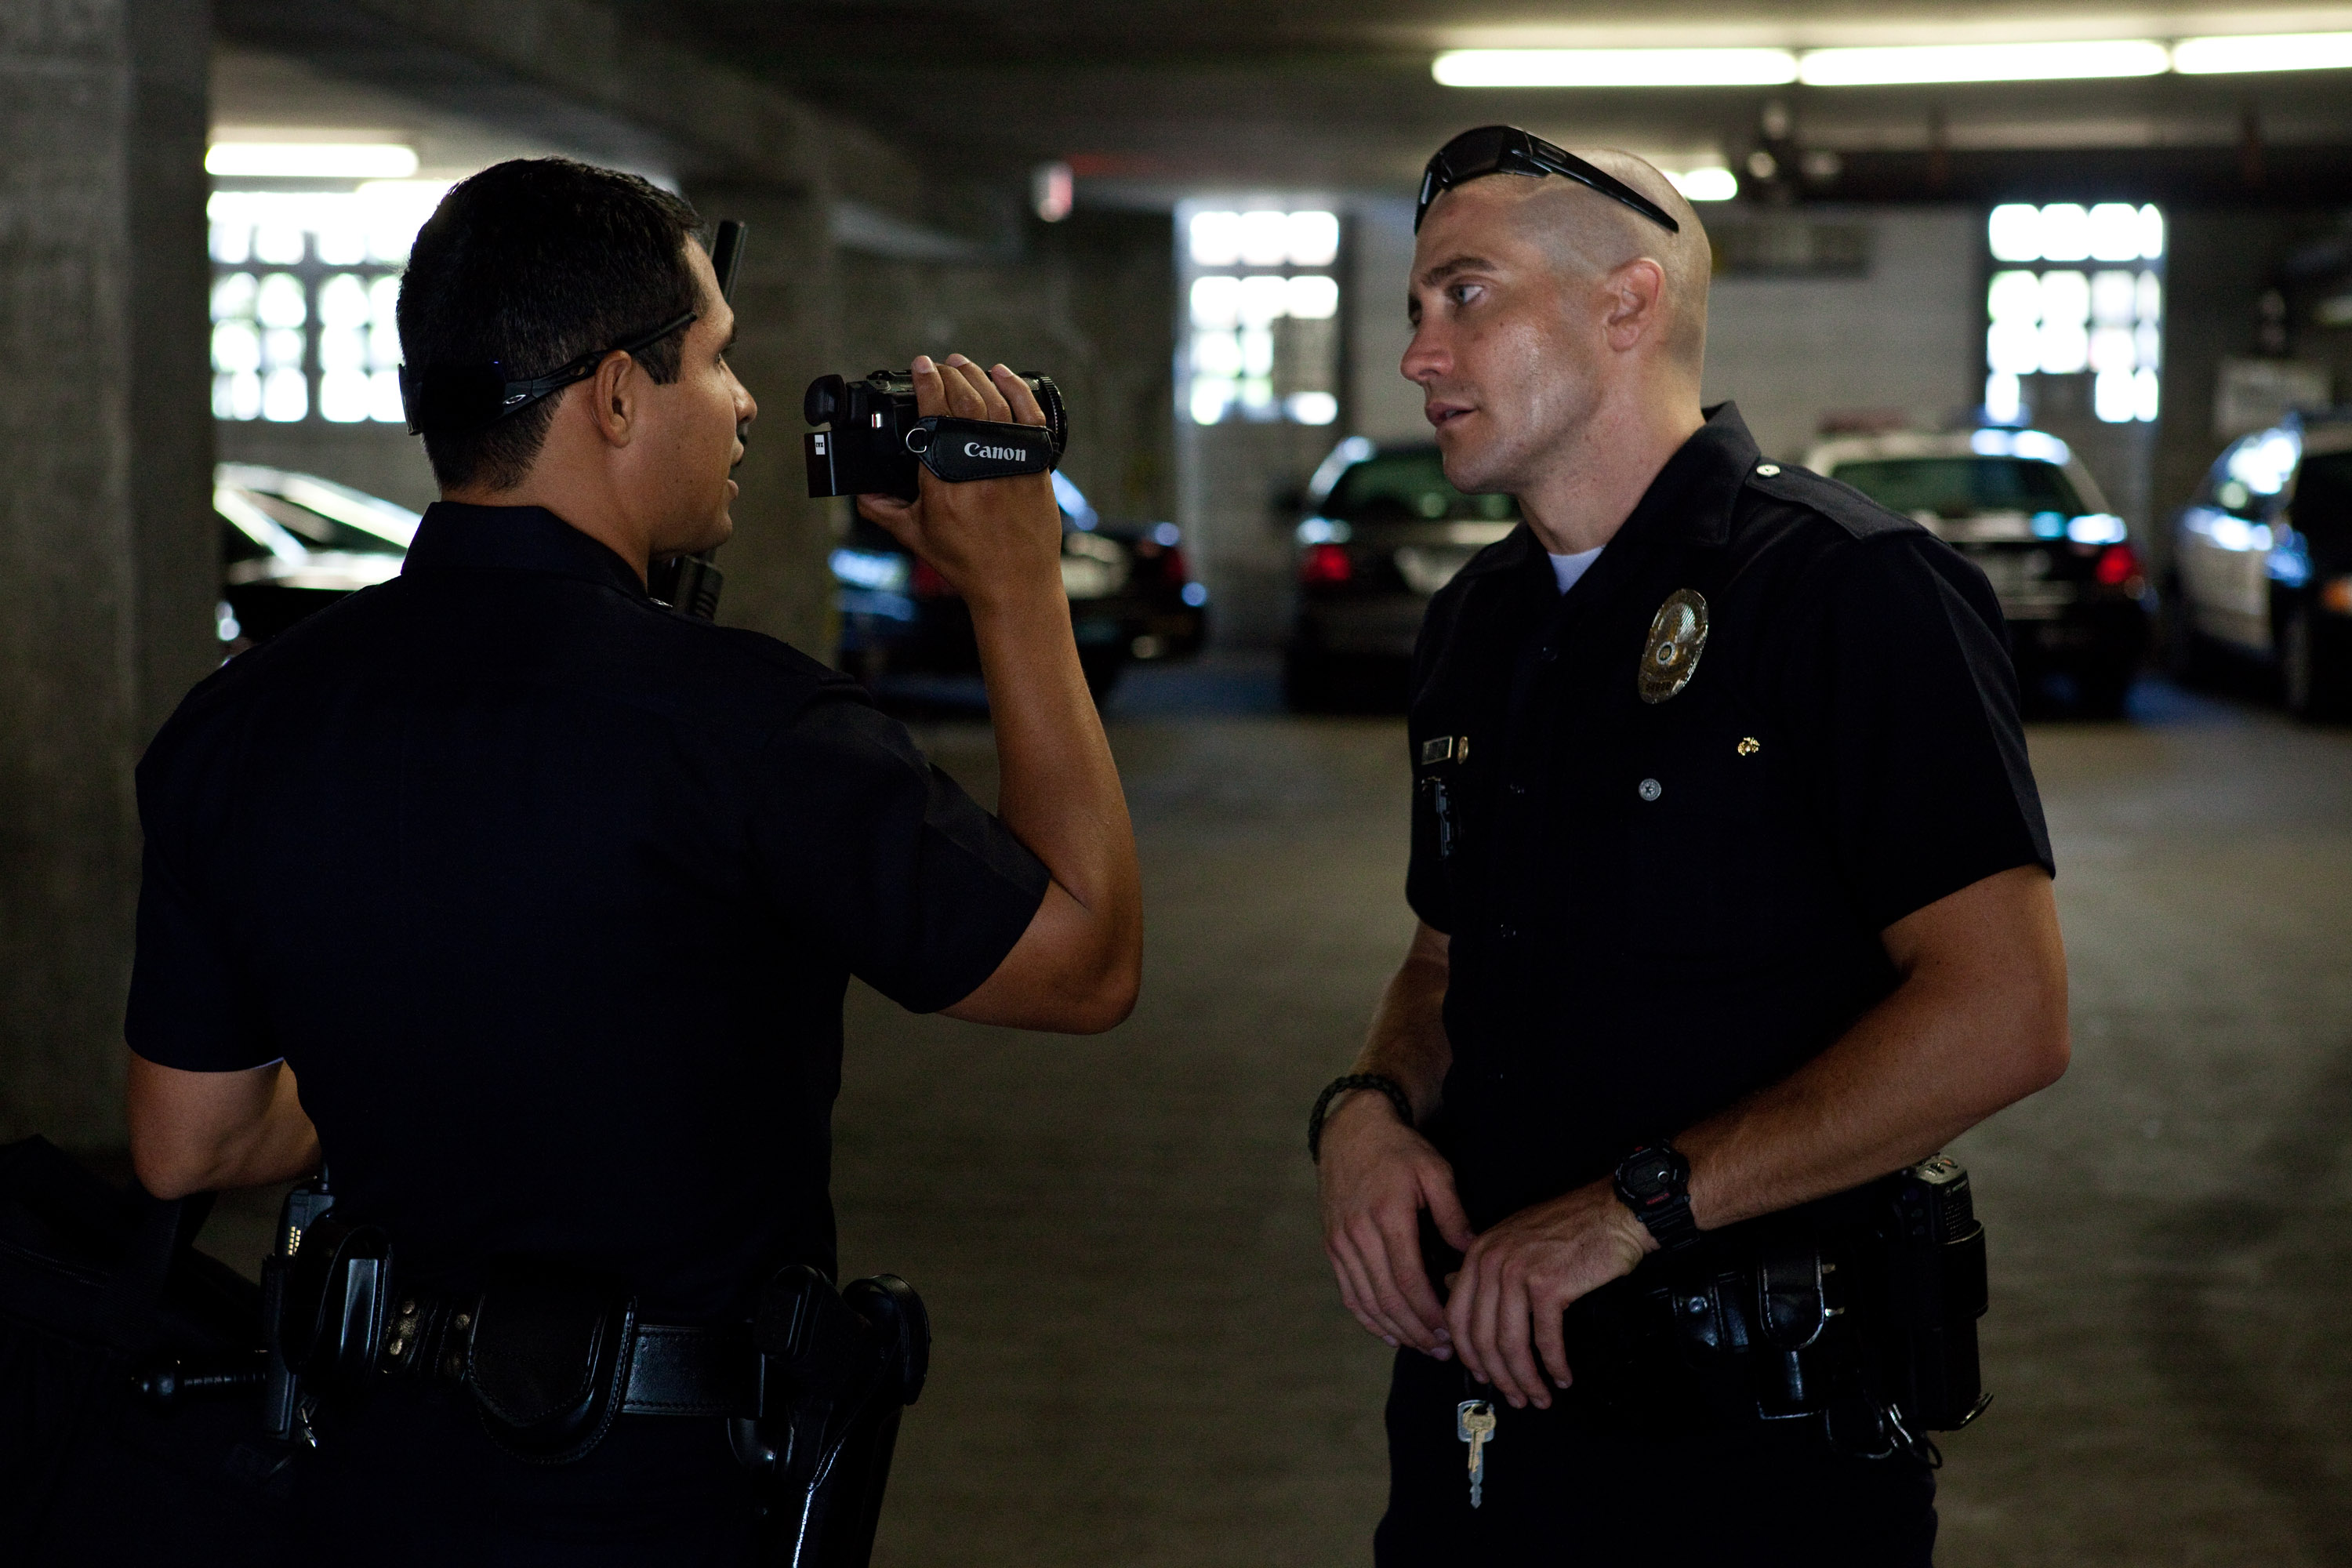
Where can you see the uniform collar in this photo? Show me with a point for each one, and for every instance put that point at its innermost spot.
(456, 537)
(1692, 497)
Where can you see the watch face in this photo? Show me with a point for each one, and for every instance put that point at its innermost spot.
(1653, 1172)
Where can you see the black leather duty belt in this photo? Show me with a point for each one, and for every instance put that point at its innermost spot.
(674, 1369)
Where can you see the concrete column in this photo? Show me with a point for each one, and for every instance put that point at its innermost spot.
(107, 547)
(786, 315)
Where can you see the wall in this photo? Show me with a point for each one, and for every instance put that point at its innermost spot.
(1907, 337)
(106, 537)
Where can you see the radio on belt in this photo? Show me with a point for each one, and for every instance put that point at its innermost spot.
(878, 439)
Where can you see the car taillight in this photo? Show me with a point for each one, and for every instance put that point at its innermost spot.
(2117, 565)
(928, 582)
(1324, 566)
(1174, 567)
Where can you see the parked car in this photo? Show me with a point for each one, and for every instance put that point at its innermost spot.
(1383, 531)
(2023, 507)
(2262, 562)
(293, 543)
(1132, 598)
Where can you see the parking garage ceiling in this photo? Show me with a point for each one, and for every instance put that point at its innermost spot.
(1154, 96)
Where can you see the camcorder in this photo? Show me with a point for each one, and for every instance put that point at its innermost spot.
(878, 440)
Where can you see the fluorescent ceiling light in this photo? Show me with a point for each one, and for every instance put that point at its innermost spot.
(1615, 67)
(1705, 185)
(310, 161)
(2273, 52)
(1982, 62)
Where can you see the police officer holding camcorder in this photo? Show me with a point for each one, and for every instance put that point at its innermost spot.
(546, 893)
(1735, 906)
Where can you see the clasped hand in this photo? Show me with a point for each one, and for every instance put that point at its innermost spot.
(997, 541)
(1517, 1278)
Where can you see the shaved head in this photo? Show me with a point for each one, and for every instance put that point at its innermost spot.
(1589, 236)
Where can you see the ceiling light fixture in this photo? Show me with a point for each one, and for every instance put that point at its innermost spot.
(310, 161)
(2264, 52)
(1920, 63)
(1615, 67)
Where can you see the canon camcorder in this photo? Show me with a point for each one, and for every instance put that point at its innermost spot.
(878, 439)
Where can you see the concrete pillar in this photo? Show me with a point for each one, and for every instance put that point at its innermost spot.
(786, 315)
(107, 548)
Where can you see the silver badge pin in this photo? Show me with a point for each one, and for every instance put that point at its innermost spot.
(1678, 636)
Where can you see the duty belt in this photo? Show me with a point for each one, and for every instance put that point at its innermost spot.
(674, 1369)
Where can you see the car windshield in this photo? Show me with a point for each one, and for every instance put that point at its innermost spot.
(1406, 486)
(1963, 486)
(2323, 493)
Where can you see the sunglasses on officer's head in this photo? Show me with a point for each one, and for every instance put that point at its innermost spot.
(1507, 149)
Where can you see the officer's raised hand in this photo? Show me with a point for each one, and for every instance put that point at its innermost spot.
(991, 539)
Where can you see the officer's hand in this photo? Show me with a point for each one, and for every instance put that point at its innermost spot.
(997, 541)
(1522, 1274)
(1377, 1175)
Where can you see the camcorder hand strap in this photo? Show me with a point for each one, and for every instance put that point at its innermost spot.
(959, 450)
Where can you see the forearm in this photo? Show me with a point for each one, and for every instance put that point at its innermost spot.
(1407, 1041)
(1058, 788)
(1978, 1023)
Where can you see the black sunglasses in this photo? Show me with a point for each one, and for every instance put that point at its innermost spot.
(454, 398)
(1507, 149)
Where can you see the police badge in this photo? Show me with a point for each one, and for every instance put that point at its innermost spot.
(1678, 636)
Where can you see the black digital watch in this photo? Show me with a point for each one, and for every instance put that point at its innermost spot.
(1654, 1181)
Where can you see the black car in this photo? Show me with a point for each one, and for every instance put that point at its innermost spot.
(293, 543)
(1383, 531)
(2262, 562)
(2021, 506)
(1132, 599)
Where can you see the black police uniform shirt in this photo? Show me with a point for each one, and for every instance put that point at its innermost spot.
(550, 896)
(1656, 907)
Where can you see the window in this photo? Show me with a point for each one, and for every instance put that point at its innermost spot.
(1263, 309)
(304, 286)
(2077, 290)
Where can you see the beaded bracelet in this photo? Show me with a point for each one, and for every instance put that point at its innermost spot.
(1339, 1085)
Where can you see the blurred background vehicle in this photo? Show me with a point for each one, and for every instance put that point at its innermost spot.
(1383, 531)
(2263, 563)
(1132, 598)
(293, 543)
(2025, 511)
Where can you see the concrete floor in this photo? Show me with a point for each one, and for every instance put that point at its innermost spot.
(1139, 1356)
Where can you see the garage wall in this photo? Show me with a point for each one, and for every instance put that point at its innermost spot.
(1906, 336)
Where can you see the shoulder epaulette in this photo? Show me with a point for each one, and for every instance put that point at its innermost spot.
(1840, 503)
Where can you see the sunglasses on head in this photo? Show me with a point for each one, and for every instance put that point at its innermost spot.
(1507, 149)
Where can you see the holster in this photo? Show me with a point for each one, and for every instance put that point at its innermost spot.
(1855, 1319)
(836, 1370)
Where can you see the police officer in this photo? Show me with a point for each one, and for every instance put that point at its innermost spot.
(1733, 890)
(548, 894)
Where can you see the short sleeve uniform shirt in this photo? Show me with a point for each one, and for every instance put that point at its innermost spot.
(1657, 907)
(550, 895)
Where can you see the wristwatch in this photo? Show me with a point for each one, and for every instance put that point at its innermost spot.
(1654, 1181)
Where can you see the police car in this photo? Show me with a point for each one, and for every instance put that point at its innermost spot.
(1382, 532)
(2023, 507)
(1132, 598)
(293, 543)
(2262, 562)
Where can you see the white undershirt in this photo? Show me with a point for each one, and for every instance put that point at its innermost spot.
(1568, 568)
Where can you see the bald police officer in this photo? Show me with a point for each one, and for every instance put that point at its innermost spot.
(1733, 888)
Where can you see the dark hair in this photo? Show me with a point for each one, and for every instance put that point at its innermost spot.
(532, 263)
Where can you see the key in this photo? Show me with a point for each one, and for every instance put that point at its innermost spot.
(1474, 1423)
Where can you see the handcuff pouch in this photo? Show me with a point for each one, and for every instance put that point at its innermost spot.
(548, 1360)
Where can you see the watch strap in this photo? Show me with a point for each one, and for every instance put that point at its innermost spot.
(1667, 1216)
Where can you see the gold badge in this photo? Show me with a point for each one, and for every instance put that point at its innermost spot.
(1678, 636)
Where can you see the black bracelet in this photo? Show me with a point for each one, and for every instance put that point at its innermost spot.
(1339, 1085)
